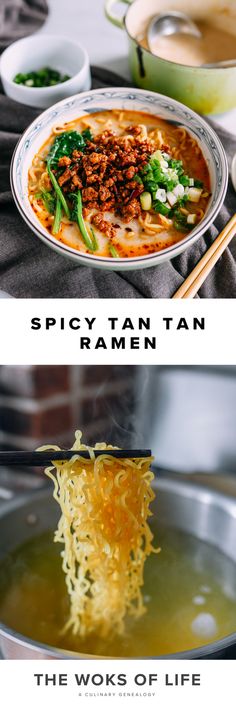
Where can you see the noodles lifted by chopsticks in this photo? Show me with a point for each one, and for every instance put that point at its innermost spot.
(106, 537)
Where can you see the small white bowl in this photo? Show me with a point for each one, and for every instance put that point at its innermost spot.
(40, 50)
(122, 99)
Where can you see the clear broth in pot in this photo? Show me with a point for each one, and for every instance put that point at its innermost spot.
(189, 593)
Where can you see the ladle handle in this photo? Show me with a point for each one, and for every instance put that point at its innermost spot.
(220, 64)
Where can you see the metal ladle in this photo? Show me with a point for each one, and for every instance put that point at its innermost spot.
(172, 22)
(221, 64)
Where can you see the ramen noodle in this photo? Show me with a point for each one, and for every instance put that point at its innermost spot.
(106, 539)
(119, 184)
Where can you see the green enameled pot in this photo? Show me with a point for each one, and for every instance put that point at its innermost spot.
(211, 90)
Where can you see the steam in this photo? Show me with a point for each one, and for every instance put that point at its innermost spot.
(119, 400)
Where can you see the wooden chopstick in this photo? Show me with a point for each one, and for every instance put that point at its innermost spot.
(39, 459)
(193, 282)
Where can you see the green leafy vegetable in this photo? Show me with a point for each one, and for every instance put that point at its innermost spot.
(63, 146)
(87, 135)
(57, 217)
(58, 191)
(48, 199)
(65, 143)
(114, 253)
(77, 216)
(95, 243)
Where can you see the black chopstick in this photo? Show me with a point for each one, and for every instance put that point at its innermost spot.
(39, 459)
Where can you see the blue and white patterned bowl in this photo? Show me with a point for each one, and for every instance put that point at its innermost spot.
(126, 99)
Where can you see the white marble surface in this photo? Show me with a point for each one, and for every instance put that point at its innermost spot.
(107, 45)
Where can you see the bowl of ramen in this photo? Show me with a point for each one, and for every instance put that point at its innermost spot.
(119, 179)
(160, 585)
(182, 66)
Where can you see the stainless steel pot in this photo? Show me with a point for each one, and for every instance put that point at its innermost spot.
(206, 514)
(206, 90)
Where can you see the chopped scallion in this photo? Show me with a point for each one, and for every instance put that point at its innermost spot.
(41, 79)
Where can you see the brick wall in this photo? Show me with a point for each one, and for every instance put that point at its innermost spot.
(45, 404)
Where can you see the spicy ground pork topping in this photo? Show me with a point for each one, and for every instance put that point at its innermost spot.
(106, 173)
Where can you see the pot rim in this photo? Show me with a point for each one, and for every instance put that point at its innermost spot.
(199, 653)
(225, 501)
(168, 61)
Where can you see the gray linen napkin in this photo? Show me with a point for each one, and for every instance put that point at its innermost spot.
(19, 18)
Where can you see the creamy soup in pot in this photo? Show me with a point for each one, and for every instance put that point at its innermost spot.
(215, 45)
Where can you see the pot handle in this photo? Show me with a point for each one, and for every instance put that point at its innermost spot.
(117, 21)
